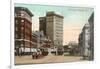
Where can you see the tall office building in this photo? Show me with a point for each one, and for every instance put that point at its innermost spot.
(42, 27)
(52, 26)
(23, 29)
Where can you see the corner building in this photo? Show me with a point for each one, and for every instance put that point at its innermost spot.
(23, 30)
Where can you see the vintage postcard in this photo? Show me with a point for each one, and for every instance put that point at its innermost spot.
(52, 34)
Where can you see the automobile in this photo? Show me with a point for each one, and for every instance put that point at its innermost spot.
(53, 52)
(37, 54)
(45, 52)
(60, 51)
(34, 53)
(66, 53)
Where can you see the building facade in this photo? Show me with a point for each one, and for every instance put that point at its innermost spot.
(73, 45)
(84, 39)
(40, 38)
(80, 43)
(23, 30)
(91, 42)
(52, 26)
(42, 25)
(34, 40)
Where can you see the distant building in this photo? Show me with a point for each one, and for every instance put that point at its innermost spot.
(52, 26)
(34, 40)
(23, 30)
(73, 48)
(66, 48)
(80, 43)
(84, 38)
(91, 43)
(42, 25)
(40, 38)
(72, 43)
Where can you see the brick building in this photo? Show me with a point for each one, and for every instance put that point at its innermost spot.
(23, 30)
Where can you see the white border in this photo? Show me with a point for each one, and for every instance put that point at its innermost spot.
(60, 3)
(12, 35)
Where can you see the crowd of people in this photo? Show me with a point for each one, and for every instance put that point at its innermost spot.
(37, 53)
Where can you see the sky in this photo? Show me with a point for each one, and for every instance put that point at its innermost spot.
(74, 18)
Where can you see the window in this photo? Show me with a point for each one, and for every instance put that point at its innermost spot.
(22, 36)
(22, 44)
(16, 28)
(22, 28)
(22, 14)
(16, 21)
(18, 14)
(22, 20)
(16, 36)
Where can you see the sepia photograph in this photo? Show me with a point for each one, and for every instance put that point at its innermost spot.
(46, 34)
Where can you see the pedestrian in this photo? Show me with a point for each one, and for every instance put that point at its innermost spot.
(20, 52)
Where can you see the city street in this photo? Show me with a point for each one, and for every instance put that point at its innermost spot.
(47, 59)
(53, 34)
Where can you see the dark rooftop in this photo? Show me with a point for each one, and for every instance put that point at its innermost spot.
(51, 13)
(24, 9)
(91, 17)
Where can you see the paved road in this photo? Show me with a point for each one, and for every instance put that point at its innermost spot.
(46, 59)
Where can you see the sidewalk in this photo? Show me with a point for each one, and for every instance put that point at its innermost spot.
(46, 59)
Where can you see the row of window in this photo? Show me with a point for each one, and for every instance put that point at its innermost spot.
(17, 28)
(23, 43)
(22, 22)
(58, 30)
(59, 27)
(22, 29)
(59, 23)
(59, 33)
(23, 15)
(22, 35)
(17, 21)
